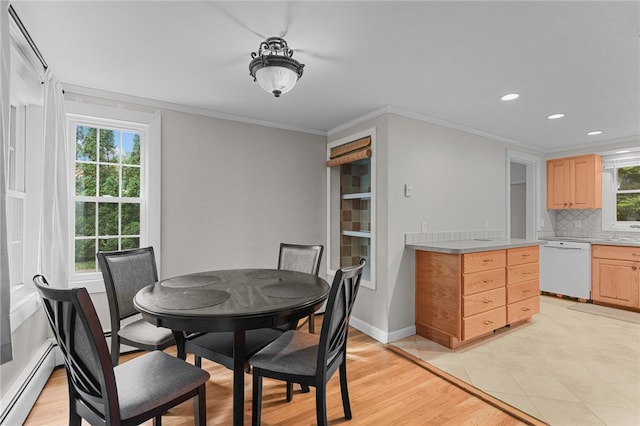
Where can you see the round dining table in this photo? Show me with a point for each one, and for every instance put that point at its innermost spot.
(234, 300)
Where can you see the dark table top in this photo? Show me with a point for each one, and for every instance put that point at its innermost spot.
(230, 300)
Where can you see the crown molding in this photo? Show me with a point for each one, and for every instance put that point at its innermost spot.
(390, 109)
(72, 89)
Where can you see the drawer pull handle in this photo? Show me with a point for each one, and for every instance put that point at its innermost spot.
(527, 273)
(487, 281)
(526, 255)
(487, 322)
(487, 301)
(525, 309)
(487, 260)
(526, 291)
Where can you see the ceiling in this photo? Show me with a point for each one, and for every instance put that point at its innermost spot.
(444, 62)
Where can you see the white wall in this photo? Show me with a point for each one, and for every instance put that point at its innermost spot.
(231, 192)
(518, 210)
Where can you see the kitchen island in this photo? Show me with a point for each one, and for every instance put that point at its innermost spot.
(467, 289)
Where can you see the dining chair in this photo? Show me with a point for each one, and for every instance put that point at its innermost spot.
(310, 359)
(124, 273)
(218, 347)
(301, 258)
(103, 394)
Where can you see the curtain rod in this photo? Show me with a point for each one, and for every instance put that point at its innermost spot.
(26, 35)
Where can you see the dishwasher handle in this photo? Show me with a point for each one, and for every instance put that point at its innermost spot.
(562, 248)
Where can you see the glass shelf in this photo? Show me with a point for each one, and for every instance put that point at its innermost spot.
(361, 234)
(357, 196)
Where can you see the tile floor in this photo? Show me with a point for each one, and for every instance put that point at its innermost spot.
(563, 367)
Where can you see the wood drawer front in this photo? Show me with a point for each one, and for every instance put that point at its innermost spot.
(482, 302)
(518, 292)
(616, 252)
(523, 310)
(484, 261)
(483, 281)
(484, 322)
(520, 255)
(521, 273)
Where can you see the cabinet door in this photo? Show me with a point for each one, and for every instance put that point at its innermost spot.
(584, 191)
(558, 184)
(616, 282)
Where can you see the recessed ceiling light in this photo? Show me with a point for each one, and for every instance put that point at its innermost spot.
(622, 152)
(555, 116)
(510, 97)
(594, 132)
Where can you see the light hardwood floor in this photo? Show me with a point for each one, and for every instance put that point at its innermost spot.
(384, 388)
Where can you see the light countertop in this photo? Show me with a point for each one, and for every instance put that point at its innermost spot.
(471, 246)
(605, 242)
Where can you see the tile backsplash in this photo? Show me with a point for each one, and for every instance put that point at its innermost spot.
(586, 223)
(432, 237)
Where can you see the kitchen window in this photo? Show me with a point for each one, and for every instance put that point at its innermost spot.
(115, 202)
(621, 192)
(351, 204)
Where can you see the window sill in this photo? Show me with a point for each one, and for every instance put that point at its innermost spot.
(24, 303)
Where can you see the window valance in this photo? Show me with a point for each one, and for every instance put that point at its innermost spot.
(350, 152)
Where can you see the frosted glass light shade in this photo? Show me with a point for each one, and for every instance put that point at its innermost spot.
(276, 80)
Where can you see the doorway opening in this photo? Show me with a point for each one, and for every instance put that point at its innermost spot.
(522, 193)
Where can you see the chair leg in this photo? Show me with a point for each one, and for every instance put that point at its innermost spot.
(345, 391)
(74, 417)
(200, 407)
(257, 398)
(157, 421)
(115, 349)
(321, 404)
(289, 391)
(197, 361)
(312, 324)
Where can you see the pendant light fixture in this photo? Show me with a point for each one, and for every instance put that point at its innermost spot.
(274, 68)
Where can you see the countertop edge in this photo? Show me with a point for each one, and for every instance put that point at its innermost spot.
(472, 246)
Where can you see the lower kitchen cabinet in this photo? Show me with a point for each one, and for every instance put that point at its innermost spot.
(615, 276)
(463, 297)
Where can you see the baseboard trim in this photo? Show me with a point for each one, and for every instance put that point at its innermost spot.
(20, 398)
(380, 335)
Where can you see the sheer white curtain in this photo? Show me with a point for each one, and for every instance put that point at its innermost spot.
(53, 258)
(6, 352)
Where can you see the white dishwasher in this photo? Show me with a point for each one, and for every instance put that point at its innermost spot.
(565, 268)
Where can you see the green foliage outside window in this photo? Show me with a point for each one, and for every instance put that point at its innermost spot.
(628, 196)
(107, 176)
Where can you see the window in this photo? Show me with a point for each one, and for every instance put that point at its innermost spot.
(351, 204)
(107, 192)
(115, 202)
(628, 193)
(16, 195)
(621, 192)
(23, 154)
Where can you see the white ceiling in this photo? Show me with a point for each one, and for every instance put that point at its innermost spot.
(446, 62)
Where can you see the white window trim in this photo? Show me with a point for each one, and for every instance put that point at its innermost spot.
(370, 284)
(609, 191)
(152, 160)
(26, 91)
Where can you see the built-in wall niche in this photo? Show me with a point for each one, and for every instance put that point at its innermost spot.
(351, 201)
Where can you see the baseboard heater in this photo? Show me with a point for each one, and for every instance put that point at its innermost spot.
(24, 393)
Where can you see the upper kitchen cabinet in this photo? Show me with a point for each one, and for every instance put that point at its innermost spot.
(574, 182)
